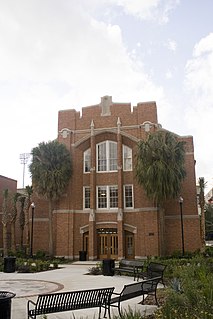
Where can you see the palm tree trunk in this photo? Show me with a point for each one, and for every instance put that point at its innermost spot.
(202, 217)
(51, 253)
(161, 218)
(27, 230)
(202, 223)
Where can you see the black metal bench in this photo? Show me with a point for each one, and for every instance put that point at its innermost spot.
(153, 270)
(130, 267)
(143, 288)
(72, 300)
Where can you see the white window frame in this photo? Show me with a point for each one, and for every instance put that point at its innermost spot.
(127, 160)
(87, 159)
(107, 159)
(84, 197)
(106, 190)
(125, 198)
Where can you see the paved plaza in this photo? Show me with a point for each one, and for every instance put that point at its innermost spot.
(70, 277)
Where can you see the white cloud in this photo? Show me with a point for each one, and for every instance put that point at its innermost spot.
(199, 79)
(156, 10)
(171, 45)
(168, 74)
(55, 55)
(149, 10)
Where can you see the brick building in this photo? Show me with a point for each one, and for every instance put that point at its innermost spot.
(11, 185)
(104, 211)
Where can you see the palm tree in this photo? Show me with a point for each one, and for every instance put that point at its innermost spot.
(22, 200)
(13, 220)
(209, 219)
(160, 166)
(6, 218)
(51, 171)
(160, 171)
(201, 199)
(29, 192)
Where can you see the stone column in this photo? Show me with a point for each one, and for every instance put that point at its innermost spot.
(120, 193)
(92, 222)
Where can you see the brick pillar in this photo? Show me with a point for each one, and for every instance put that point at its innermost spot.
(120, 194)
(92, 223)
(71, 203)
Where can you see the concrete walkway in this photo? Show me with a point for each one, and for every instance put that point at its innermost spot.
(70, 277)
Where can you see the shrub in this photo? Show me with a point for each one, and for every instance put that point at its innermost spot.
(191, 294)
(97, 270)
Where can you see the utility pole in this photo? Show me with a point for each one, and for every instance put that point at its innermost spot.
(24, 159)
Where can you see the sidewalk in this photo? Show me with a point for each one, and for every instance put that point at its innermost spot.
(70, 277)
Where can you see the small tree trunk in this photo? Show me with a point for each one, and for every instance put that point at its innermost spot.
(13, 236)
(5, 240)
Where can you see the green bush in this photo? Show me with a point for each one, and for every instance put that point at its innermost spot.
(129, 314)
(190, 295)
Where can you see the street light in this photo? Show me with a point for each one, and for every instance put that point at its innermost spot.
(31, 237)
(24, 159)
(181, 220)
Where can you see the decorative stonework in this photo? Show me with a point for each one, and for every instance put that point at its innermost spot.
(92, 216)
(120, 214)
(106, 102)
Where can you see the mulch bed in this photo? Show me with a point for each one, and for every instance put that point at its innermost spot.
(150, 300)
(161, 297)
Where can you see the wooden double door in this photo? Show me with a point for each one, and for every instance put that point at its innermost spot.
(108, 245)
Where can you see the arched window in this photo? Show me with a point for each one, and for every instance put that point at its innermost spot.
(107, 156)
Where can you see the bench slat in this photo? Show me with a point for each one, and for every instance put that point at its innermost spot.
(131, 267)
(73, 300)
(143, 288)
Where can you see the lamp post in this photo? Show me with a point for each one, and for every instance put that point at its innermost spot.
(31, 237)
(24, 159)
(181, 220)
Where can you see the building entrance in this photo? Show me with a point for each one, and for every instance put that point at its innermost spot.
(107, 243)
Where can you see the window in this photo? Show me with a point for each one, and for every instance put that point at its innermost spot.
(87, 160)
(107, 197)
(128, 196)
(86, 197)
(107, 156)
(113, 196)
(127, 158)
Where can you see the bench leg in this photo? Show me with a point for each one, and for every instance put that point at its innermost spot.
(156, 298)
(107, 308)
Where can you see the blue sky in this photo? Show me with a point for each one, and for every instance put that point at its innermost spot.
(62, 54)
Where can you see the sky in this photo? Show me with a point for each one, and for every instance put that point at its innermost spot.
(67, 54)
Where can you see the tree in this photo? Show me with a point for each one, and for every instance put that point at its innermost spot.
(209, 220)
(13, 215)
(160, 166)
(6, 218)
(160, 171)
(50, 171)
(29, 192)
(201, 199)
(22, 200)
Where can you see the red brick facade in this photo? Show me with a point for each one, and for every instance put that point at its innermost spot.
(119, 232)
(11, 185)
